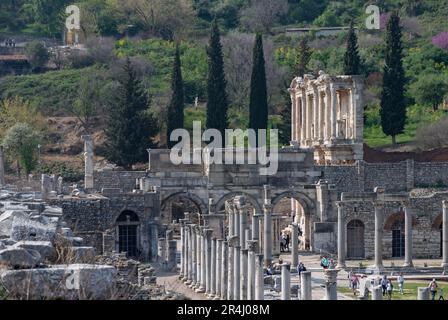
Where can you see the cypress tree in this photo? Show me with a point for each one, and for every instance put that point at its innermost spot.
(217, 102)
(130, 127)
(258, 106)
(175, 117)
(352, 61)
(304, 57)
(393, 105)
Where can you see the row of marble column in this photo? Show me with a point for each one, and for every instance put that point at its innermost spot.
(379, 222)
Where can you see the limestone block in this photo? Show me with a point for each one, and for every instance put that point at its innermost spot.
(68, 282)
(19, 257)
(26, 229)
(6, 219)
(45, 248)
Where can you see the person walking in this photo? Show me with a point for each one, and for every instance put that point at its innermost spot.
(400, 281)
(287, 240)
(433, 288)
(389, 289)
(384, 284)
(349, 276)
(441, 294)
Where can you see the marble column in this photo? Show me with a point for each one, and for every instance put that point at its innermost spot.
(377, 293)
(230, 269)
(306, 292)
(321, 115)
(293, 116)
(327, 114)
(198, 256)
(331, 284)
(190, 252)
(294, 246)
(244, 274)
(259, 277)
(208, 260)
(253, 250)
(182, 249)
(224, 269)
(408, 236)
(267, 236)
(218, 269)
(203, 265)
(379, 208)
(303, 119)
(213, 264)
(309, 112)
(445, 235)
(342, 232)
(88, 161)
(333, 112)
(315, 113)
(286, 282)
(229, 212)
(236, 271)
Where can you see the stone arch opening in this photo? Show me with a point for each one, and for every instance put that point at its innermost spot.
(128, 233)
(251, 201)
(355, 240)
(174, 207)
(301, 210)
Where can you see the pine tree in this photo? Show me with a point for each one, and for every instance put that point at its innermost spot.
(393, 105)
(352, 60)
(303, 59)
(130, 127)
(217, 102)
(258, 105)
(175, 117)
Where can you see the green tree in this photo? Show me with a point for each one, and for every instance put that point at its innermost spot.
(131, 127)
(258, 104)
(37, 54)
(304, 57)
(217, 102)
(176, 107)
(393, 104)
(352, 60)
(49, 14)
(21, 143)
(430, 90)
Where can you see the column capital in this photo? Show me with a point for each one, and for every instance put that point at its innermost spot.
(232, 241)
(445, 204)
(252, 245)
(208, 233)
(267, 207)
(406, 204)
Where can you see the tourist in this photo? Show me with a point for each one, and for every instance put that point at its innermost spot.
(441, 294)
(287, 240)
(384, 284)
(282, 243)
(301, 268)
(324, 263)
(269, 270)
(400, 280)
(354, 283)
(433, 287)
(331, 264)
(389, 289)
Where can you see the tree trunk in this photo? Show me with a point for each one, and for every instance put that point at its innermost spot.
(394, 140)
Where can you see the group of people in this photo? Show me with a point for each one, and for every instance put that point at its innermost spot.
(284, 242)
(434, 288)
(9, 42)
(327, 263)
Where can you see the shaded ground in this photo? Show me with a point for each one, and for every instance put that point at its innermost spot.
(378, 156)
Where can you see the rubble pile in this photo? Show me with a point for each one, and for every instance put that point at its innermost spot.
(31, 236)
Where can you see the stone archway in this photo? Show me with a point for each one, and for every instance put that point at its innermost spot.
(303, 206)
(220, 204)
(185, 202)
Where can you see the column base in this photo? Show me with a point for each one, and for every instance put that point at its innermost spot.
(444, 265)
(408, 265)
(341, 265)
(200, 290)
(188, 282)
(377, 269)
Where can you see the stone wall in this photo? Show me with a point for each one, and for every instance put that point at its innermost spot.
(125, 180)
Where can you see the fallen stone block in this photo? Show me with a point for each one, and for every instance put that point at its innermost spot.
(45, 248)
(28, 230)
(6, 220)
(67, 282)
(19, 257)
